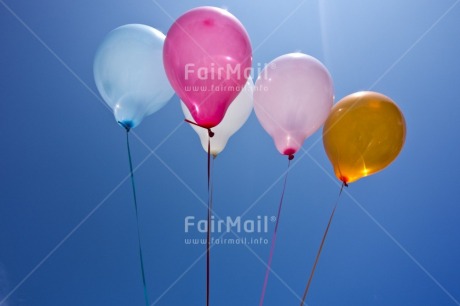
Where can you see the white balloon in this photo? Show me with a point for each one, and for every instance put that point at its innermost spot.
(237, 114)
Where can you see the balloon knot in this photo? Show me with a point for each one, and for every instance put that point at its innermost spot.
(344, 180)
(210, 133)
(291, 156)
(126, 126)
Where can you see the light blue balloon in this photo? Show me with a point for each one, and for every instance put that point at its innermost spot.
(129, 73)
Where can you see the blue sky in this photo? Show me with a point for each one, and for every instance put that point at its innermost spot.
(67, 224)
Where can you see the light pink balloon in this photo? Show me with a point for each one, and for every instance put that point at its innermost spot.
(207, 57)
(293, 96)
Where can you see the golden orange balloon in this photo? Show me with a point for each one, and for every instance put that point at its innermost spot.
(363, 134)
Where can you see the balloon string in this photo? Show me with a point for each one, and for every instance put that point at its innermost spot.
(137, 215)
(208, 231)
(272, 246)
(321, 246)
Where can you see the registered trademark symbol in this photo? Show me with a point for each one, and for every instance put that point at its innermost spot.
(272, 218)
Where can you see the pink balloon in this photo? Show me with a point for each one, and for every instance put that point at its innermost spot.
(293, 97)
(207, 57)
